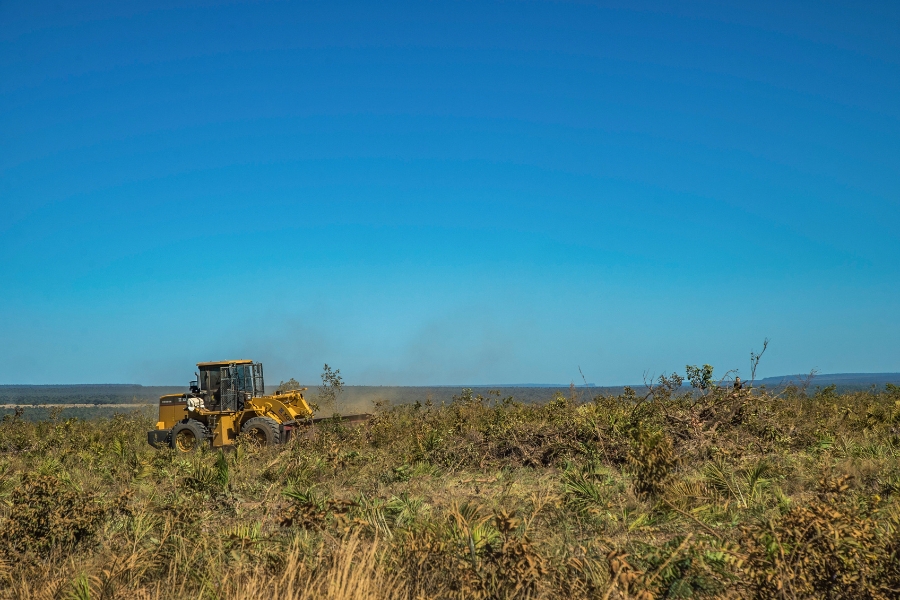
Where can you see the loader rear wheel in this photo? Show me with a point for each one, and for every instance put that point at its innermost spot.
(188, 436)
(262, 430)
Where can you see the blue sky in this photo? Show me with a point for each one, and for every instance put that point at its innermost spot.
(447, 193)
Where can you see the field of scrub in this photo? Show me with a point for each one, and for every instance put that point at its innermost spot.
(710, 493)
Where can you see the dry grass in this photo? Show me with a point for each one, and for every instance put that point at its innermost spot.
(354, 572)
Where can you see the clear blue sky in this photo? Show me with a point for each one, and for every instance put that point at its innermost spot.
(447, 193)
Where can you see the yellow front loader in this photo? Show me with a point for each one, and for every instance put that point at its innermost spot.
(226, 400)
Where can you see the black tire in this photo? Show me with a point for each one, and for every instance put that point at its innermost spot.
(188, 436)
(265, 431)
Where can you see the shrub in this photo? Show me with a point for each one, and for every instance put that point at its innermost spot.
(652, 462)
(47, 514)
(831, 547)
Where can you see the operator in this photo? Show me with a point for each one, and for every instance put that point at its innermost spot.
(194, 403)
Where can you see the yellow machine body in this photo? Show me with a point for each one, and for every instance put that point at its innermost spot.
(200, 414)
(289, 406)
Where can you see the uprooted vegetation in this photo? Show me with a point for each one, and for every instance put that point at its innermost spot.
(720, 493)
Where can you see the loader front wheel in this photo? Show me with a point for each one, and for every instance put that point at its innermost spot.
(188, 436)
(262, 430)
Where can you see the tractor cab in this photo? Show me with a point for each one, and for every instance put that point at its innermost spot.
(228, 385)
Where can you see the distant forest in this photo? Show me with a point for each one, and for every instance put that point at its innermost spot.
(362, 398)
